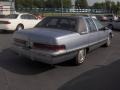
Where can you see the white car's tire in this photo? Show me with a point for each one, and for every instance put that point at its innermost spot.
(81, 56)
(19, 27)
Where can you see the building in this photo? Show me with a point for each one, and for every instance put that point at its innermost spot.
(7, 7)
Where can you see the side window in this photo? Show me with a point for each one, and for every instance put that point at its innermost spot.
(98, 24)
(27, 16)
(82, 26)
(24, 17)
(32, 17)
(91, 25)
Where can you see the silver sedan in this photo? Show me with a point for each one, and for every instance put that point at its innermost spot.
(57, 39)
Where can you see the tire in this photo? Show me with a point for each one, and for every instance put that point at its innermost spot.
(108, 42)
(19, 27)
(80, 57)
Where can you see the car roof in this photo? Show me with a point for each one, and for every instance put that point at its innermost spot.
(68, 16)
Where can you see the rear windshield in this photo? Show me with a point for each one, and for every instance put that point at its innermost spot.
(11, 16)
(59, 23)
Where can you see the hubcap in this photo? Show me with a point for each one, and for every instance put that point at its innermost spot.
(19, 28)
(81, 56)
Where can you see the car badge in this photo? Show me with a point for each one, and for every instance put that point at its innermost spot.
(29, 44)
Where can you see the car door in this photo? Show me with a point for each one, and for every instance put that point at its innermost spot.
(25, 21)
(33, 20)
(102, 33)
(116, 24)
(83, 31)
(93, 33)
(28, 21)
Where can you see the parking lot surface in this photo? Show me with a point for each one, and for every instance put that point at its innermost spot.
(100, 71)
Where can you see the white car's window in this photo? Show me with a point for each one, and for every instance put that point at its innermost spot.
(31, 17)
(11, 16)
(24, 17)
(27, 16)
(91, 25)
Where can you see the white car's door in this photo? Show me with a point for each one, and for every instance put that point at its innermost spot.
(29, 21)
(33, 20)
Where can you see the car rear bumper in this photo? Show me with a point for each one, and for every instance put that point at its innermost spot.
(42, 57)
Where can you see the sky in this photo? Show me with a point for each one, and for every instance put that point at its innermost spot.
(90, 2)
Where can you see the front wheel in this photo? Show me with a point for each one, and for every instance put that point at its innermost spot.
(108, 42)
(80, 56)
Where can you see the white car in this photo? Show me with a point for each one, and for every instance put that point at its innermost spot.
(114, 24)
(18, 21)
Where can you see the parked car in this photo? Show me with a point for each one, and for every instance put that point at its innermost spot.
(114, 24)
(18, 21)
(109, 17)
(57, 39)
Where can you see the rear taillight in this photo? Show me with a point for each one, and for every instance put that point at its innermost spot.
(19, 41)
(48, 47)
(5, 22)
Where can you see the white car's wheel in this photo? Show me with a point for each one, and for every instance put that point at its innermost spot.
(80, 56)
(19, 27)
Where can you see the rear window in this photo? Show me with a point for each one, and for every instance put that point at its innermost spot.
(59, 23)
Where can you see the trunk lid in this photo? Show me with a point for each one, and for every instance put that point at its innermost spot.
(42, 35)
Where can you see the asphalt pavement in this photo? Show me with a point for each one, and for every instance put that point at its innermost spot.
(100, 71)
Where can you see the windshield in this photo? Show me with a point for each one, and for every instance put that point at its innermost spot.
(12, 16)
(59, 23)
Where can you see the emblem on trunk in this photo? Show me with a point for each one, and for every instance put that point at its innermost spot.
(29, 44)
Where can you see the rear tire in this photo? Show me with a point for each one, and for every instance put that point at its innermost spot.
(80, 57)
(19, 27)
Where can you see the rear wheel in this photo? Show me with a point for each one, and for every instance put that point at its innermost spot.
(80, 56)
(19, 27)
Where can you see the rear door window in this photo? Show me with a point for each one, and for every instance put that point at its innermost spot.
(91, 25)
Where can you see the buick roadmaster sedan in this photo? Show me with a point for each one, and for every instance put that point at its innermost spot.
(59, 38)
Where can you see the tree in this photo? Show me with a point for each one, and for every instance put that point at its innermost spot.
(42, 3)
(81, 4)
(108, 5)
